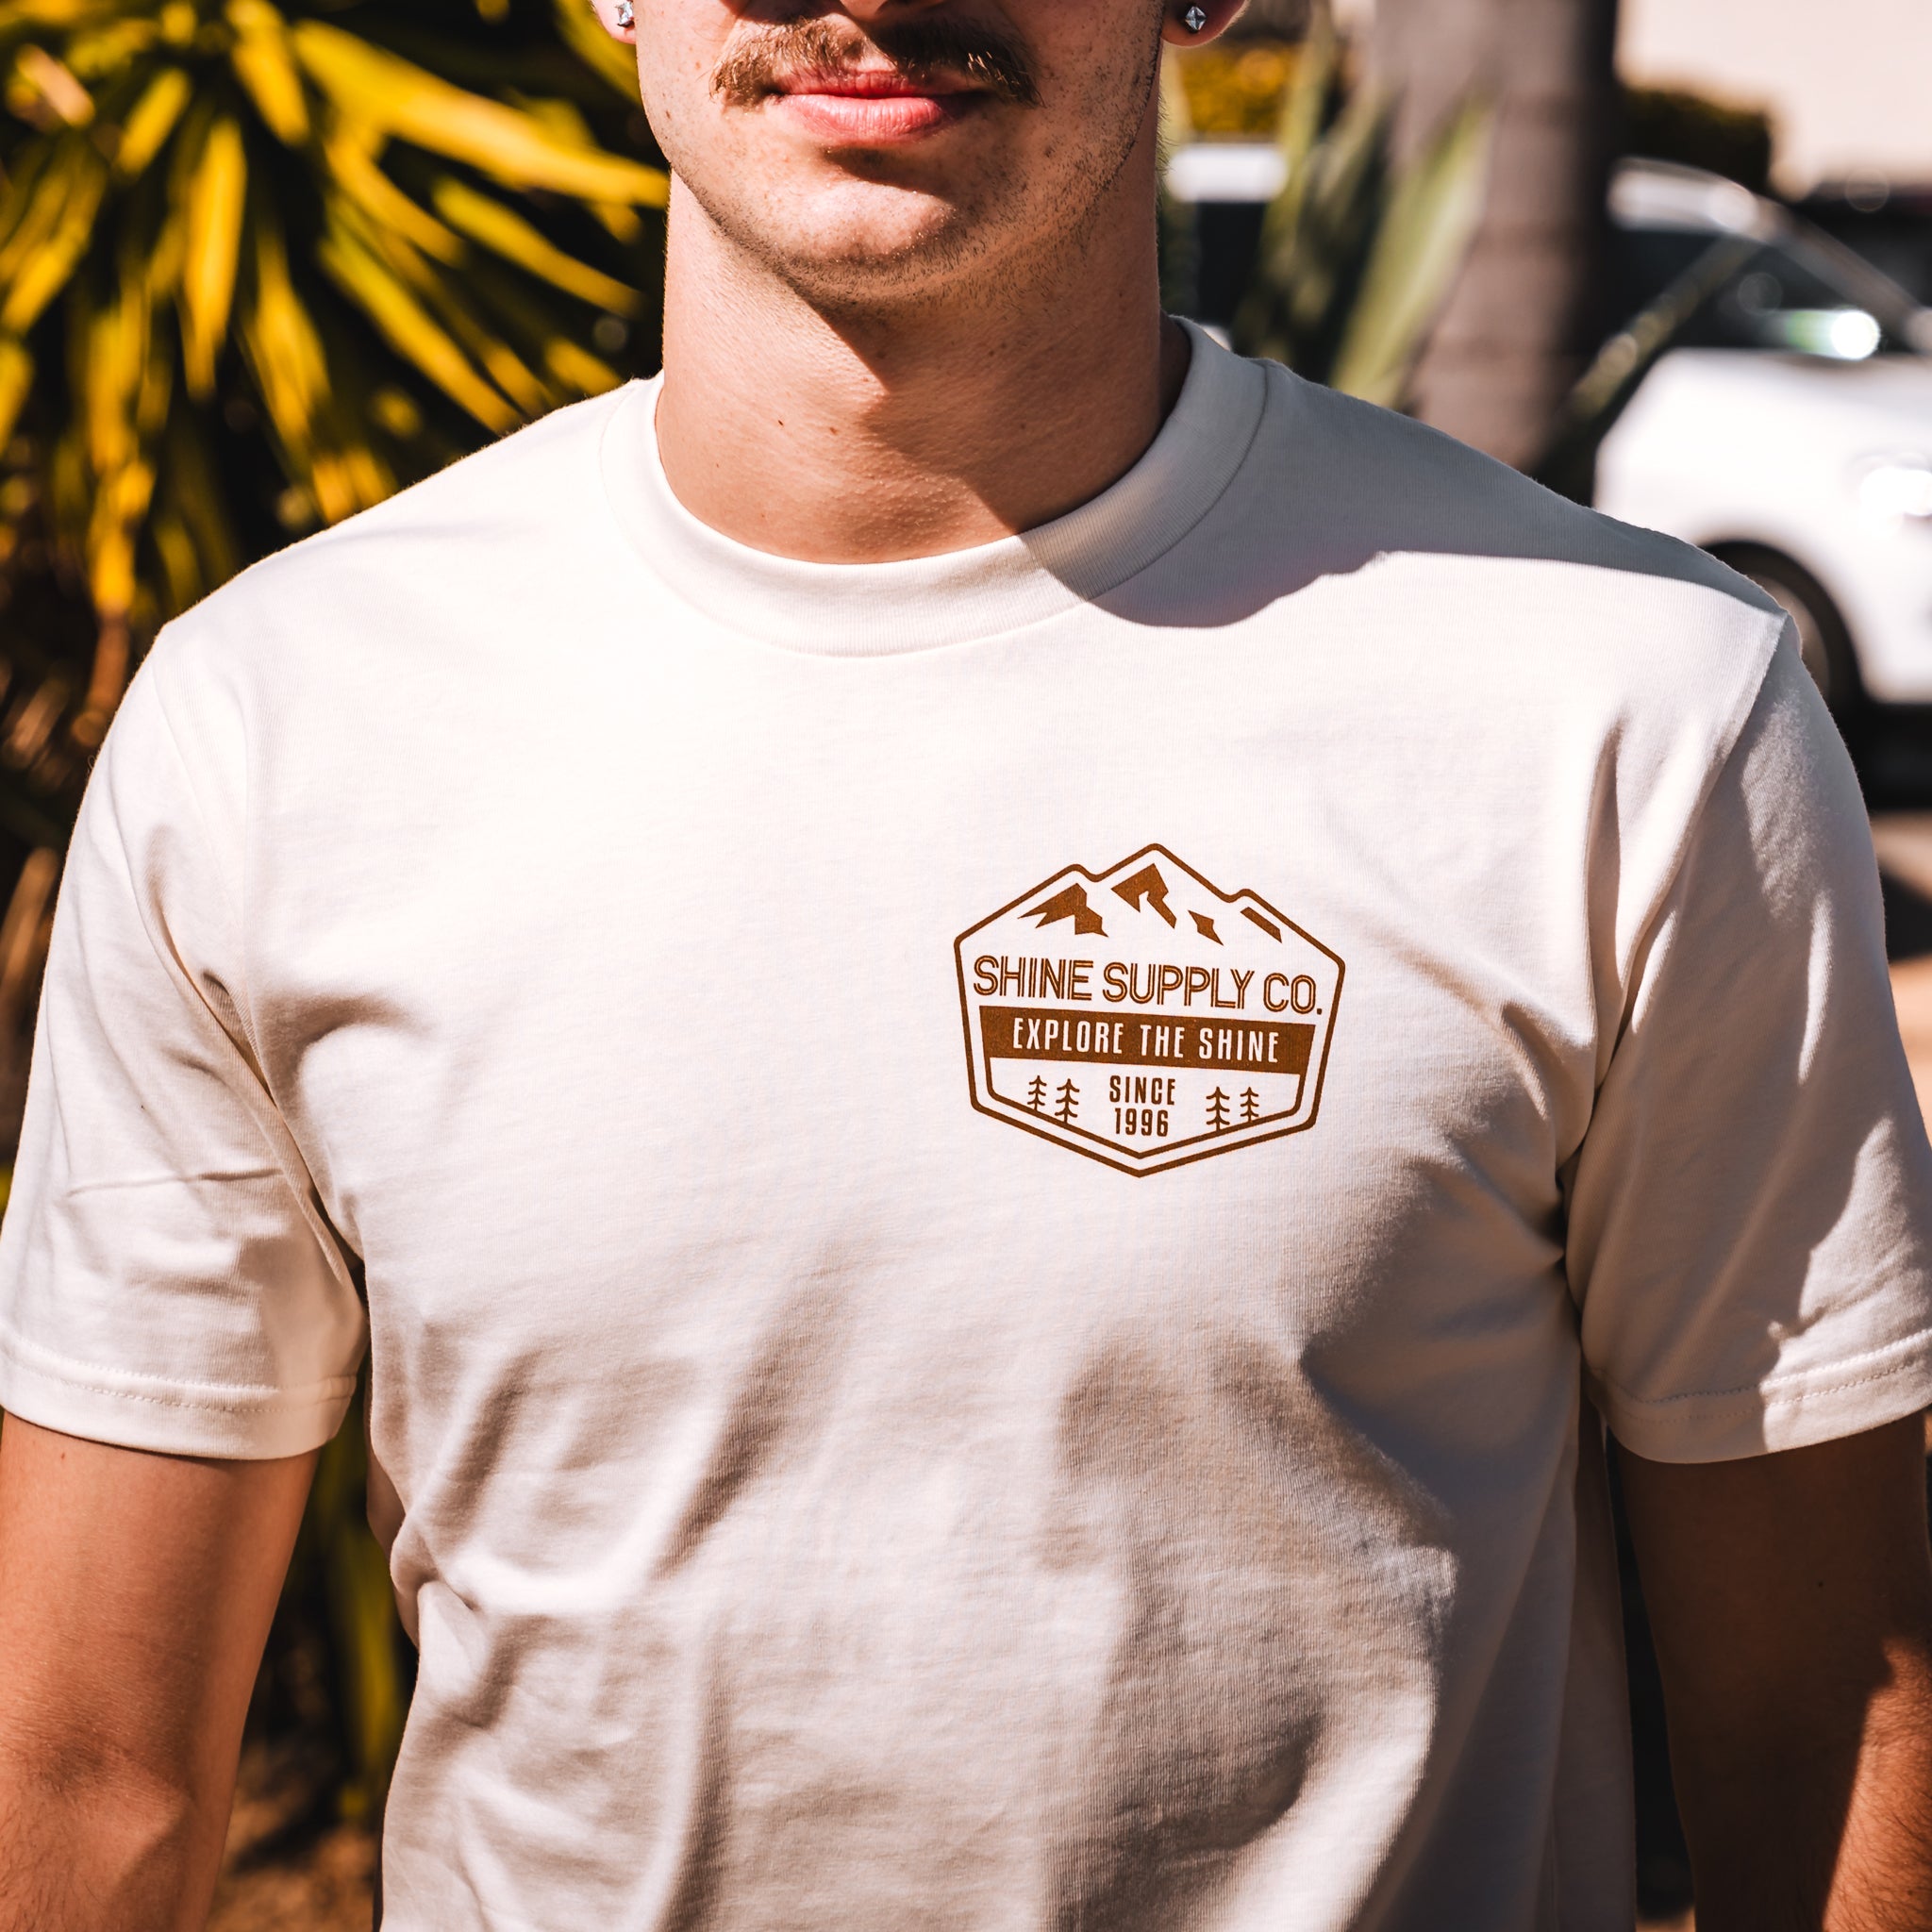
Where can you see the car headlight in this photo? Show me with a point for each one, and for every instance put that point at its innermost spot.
(1897, 486)
(1843, 334)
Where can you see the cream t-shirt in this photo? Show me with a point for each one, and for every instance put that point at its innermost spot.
(984, 1191)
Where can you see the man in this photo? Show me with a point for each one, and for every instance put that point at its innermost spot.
(982, 1170)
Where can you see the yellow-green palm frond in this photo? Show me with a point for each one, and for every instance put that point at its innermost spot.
(502, 229)
(150, 121)
(407, 103)
(210, 197)
(264, 62)
(595, 49)
(1362, 246)
(261, 261)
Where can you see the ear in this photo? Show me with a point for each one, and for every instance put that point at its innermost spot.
(618, 19)
(1178, 27)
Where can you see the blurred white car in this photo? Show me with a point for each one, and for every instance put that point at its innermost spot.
(1789, 426)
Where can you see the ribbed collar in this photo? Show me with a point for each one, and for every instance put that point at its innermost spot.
(879, 609)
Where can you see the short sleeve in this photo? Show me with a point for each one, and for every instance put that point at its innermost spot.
(1748, 1214)
(167, 1279)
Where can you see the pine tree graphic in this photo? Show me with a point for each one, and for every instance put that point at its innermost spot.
(1036, 1095)
(1069, 1102)
(1217, 1110)
(1251, 1106)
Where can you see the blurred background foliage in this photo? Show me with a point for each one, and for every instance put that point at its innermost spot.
(1235, 90)
(1360, 249)
(259, 267)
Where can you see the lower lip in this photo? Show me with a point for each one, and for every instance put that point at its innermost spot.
(872, 120)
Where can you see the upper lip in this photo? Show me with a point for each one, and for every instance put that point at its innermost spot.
(871, 83)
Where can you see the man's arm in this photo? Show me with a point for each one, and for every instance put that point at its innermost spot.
(1790, 1596)
(136, 1592)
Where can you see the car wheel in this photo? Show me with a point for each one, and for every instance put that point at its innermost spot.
(1825, 641)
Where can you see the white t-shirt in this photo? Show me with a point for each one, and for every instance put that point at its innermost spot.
(986, 1187)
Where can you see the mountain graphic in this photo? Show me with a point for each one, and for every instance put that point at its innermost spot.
(1146, 887)
(1167, 890)
(1071, 904)
(1152, 906)
(1214, 998)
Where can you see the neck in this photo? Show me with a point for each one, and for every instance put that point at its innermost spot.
(899, 433)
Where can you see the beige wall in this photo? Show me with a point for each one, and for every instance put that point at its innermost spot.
(1849, 82)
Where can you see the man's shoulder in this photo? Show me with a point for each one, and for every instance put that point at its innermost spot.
(1432, 548)
(507, 514)
(1348, 485)
(1398, 581)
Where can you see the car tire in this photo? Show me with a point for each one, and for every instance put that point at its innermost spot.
(1824, 640)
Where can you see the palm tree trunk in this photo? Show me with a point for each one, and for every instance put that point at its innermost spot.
(1527, 312)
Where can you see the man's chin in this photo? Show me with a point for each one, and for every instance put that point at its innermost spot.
(856, 240)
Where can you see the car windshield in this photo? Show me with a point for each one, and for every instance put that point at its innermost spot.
(1840, 267)
(1803, 290)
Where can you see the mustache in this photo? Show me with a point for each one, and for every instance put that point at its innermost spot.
(923, 50)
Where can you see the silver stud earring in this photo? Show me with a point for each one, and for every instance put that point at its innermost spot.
(626, 15)
(1194, 19)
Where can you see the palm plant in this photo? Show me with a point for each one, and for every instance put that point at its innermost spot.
(1359, 250)
(358, 238)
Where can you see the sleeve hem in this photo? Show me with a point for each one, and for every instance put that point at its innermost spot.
(1819, 1405)
(133, 1411)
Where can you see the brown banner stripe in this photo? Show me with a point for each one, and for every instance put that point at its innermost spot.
(1140, 1039)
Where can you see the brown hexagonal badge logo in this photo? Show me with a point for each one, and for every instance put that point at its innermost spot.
(1145, 1018)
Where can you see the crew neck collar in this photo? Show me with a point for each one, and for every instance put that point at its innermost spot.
(881, 610)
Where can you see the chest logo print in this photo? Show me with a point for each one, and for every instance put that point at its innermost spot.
(1145, 1018)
